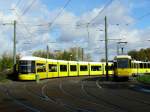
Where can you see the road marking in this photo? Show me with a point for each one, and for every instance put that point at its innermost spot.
(45, 96)
(98, 84)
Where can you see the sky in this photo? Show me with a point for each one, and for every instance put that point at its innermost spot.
(62, 24)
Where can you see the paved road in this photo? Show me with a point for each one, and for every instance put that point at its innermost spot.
(73, 94)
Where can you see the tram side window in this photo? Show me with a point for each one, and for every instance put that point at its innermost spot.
(63, 68)
(83, 67)
(141, 65)
(41, 67)
(144, 65)
(110, 67)
(95, 68)
(73, 68)
(148, 65)
(52, 68)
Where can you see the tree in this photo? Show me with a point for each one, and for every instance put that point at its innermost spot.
(70, 54)
(142, 54)
(6, 62)
(103, 60)
(43, 54)
(133, 54)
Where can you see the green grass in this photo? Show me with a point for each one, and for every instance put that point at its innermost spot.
(144, 79)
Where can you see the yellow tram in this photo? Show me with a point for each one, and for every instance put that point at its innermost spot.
(30, 67)
(124, 66)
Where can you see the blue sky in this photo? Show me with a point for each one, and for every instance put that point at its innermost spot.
(65, 30)
(138, 8)
(77, 6)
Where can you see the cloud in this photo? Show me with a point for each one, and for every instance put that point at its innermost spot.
(69, 30)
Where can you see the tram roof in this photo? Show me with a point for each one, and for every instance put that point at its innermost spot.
(34, 58)
(31, 58)
(123, 56)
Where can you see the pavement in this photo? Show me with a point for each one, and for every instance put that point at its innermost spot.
(74, 94)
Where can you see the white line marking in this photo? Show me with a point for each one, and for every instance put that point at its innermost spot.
(98, 85)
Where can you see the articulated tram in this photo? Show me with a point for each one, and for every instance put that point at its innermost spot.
(30, 67)
(126, 67)
(123, 66)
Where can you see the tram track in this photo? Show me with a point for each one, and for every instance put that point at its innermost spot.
(132, 98)
(107, 97)
(43, 103)
(75, 97)
(73, 94)
(61, 101)
(86, 98)
(18, 102)
(106, 102)
(55, 101)
(44, 97)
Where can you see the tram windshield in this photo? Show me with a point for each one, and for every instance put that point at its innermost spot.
(26, 66)
(123, 63)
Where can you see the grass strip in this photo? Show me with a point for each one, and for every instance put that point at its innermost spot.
(144, 78)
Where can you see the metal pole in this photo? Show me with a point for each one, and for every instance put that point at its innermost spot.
(47, 52)
(117, 48)
(14, 48)
(82, 54)
(106, 48)
(88, 40)
(47, 56)
(78, 53)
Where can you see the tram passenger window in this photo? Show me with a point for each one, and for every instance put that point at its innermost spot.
(73, 68)
(95, 68)
(41, 67)
(148, 65)
(83, 68)
(52, 68)
(63, 68)
(141, 65)
(110, 67)
(144, 65)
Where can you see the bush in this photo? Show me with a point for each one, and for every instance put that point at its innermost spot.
(5, 74)
(6, 62)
